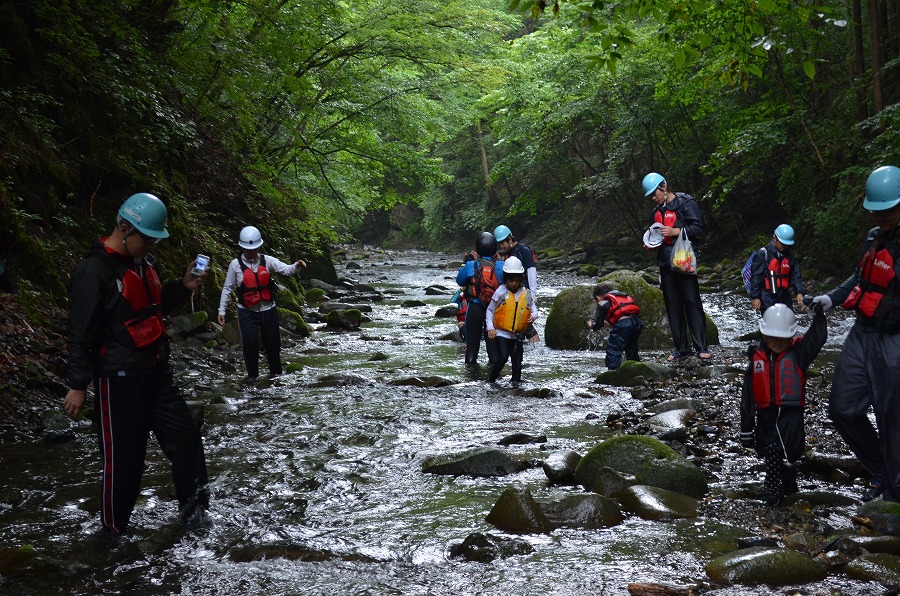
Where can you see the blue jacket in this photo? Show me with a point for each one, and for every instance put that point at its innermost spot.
(467, 272)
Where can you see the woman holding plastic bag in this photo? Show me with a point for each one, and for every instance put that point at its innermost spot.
(678, 221)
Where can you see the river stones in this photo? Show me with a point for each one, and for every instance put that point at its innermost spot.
(654, 503)
(651, 461)
(332, 306)
(881, 516)
(432, 381)
(583, 511)
(57, 428)
(340, 380)
(517, 512)
(183, 324)
(764, 565)
(879, 544)
(483, 461)
(446, 312)
(560, 466)
(293, 322)
(348, 320)
(522, 439)
(671, 419)
(484, 548)
(826, 463)
(633, 373)
(878, 567)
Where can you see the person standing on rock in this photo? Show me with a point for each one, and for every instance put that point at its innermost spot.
(619, 311)
(868, 370)
(250, 278)
(774, 396)
(480, 276)
(775, 272)
(117, 339)
(677, 212)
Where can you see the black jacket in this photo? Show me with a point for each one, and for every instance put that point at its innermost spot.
(97, 311)
(688, 217)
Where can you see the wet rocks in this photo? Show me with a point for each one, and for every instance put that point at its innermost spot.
(560, 466)
(484, 548)
(651, 461)
(522, 439)
(633, 373)
(653, 503)
(876, 567)
(517, 512)
(764, 565)
(482, 461)
(583, 511)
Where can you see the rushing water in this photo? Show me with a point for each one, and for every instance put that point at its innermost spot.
(317, 489)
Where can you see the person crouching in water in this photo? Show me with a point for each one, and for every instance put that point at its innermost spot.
(511, 310)
(619, 311)
(774, 396)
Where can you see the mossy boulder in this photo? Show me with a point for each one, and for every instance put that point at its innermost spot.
(654, 503)
(517, 512)
(293, 322)
(876, 567)
(632, 374)
(315, 296)
(566, 328)
(764, 565)
(182, 325)
(349, 319)
(649, 460)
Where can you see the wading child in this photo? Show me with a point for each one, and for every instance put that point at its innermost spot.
(618, 311)
(511, 310)
(774, 395)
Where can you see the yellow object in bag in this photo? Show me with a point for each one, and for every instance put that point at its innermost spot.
(684, 259)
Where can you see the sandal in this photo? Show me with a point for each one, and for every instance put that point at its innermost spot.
(704, 356)
(673, 357)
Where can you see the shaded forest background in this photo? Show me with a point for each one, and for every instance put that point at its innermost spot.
(417, 124)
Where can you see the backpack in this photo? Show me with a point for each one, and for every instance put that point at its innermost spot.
(747, 270)
(485, 281)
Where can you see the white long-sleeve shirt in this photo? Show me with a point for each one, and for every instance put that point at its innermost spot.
(235, 277)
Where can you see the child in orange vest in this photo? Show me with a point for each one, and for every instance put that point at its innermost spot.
(774, 396)
(511, 310)
(619, 311)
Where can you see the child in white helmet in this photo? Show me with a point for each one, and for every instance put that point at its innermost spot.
(774, 396)
(511, 311)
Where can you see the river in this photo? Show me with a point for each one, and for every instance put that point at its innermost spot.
(317, 487)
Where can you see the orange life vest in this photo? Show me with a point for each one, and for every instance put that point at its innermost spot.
(255, 287)
(779, 383)
(512, 314)
(620, 305)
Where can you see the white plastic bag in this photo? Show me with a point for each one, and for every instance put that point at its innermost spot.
(684, 260)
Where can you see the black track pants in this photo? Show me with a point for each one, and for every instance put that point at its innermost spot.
(475, 330)
(507, 348)
(128, 409)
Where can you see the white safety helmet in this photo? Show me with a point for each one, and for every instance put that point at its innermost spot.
(513, 265)
(250, 238)
(778, 321)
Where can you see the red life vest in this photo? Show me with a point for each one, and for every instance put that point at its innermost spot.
(255, 287)
(140, 312)
(877, 296)
(484, 282)
(620, 305)
(781, 383)
(780, 271)
(667, 218)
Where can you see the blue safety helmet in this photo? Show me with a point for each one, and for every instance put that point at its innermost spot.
(147, 214)
(785, 234)
(651, 182)
(501, 233)
(883, 189)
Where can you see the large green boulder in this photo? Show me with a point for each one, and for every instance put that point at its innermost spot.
(566, 330)
(764, 565)
(649, 460)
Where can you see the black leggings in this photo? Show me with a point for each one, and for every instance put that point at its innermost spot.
(505, 349)
(475, 330)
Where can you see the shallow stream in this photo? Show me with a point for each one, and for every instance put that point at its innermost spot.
(317, 487)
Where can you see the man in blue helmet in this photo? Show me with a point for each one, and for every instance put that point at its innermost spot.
(775, 274)
(511, 247)
(868, 369)
(676, 213)
(117, 340)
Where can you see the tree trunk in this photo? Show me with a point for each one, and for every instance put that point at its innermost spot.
(875, 42)
(484, 163)
(859, 65)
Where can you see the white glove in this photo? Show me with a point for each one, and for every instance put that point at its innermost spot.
(822, 301)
